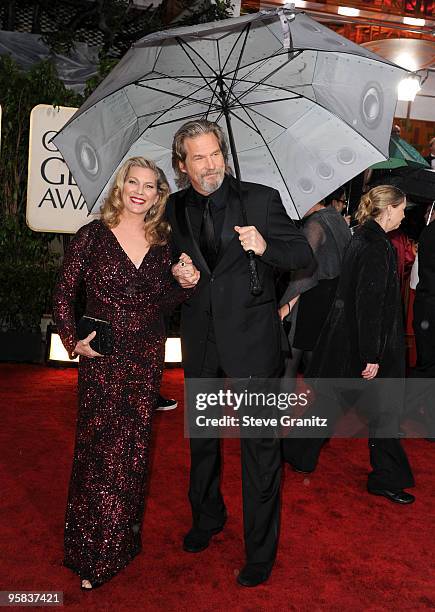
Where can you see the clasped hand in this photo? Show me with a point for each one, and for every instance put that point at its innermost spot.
(185, 273)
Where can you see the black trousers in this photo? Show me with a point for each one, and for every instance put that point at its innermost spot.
(261, 478)
(389, 462)
(423, 324)
(421, 384)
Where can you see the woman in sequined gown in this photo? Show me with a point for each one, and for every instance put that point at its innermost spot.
(124, 262)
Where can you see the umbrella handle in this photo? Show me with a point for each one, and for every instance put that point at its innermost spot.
(254, 281)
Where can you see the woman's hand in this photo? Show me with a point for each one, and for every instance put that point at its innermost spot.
(284, 311)
(185, 273)
(370, 371)
(83, 348)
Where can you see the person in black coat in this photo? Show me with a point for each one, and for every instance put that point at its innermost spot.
(430, 158)
(424, 304)
(424, 328)
(363, 338)
(225, 330)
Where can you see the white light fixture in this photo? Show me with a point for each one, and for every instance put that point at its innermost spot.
(406, 60)
(414, 21)
(56, 351)
(173, 350)
(408, 88)
(348, 11)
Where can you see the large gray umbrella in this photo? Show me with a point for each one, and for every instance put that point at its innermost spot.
(305, 109)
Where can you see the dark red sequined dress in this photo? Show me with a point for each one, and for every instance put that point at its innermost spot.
(117, 395)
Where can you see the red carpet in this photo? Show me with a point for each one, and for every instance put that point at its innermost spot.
(340, 549)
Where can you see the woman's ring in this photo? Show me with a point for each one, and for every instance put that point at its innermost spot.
(182, 263)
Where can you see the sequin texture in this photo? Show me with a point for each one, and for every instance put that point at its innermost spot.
(117, 395)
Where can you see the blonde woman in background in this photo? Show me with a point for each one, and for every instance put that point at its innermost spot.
(124, 261)
(363, 339)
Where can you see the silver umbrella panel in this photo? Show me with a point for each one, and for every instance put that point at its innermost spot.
(305, 109)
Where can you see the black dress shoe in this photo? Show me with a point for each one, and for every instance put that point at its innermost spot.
(399, 497)
(197, 540)
(300, 470)
(297, 469)
(293, 465)
(252, 575)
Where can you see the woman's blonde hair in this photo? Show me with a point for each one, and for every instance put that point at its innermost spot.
(375, 201)
(156, 229)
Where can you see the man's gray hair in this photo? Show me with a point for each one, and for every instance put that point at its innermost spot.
(192, 129)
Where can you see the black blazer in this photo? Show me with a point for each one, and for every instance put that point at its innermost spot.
(247, 328)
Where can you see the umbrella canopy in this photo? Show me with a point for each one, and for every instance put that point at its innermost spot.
(401, 154)
(305, 109)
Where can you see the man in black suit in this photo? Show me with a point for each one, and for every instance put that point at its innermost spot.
(225, 330)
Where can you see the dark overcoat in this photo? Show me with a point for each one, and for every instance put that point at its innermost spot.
(365, 324)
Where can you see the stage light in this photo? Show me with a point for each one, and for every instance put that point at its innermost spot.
(408, 88)
(406, 60)
(414, 21)
(348, 11)
(173, 351)
(56, 353)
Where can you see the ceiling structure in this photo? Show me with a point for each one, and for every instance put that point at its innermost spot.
(387, 28)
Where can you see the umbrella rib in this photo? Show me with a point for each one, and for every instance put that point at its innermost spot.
(162, 75)
(159, 51)
(257, 84)
(231, 87)
(154, 122)
(214, 91)
(259, 63)
(284, 127)
(217, 105)
(267, 76)
(271, 155)
(233, 47)
(184, 82)
(181, 97)
(251, 127)
(279, 87)
(185, 118)
(181, 42)
(252, 106)
(218, 56)
(262, 102)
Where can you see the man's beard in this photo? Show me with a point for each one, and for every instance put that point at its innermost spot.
(210, 186)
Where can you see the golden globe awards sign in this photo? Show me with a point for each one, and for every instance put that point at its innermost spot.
(54, 202)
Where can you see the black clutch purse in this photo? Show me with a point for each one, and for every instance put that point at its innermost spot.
(103, 341)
